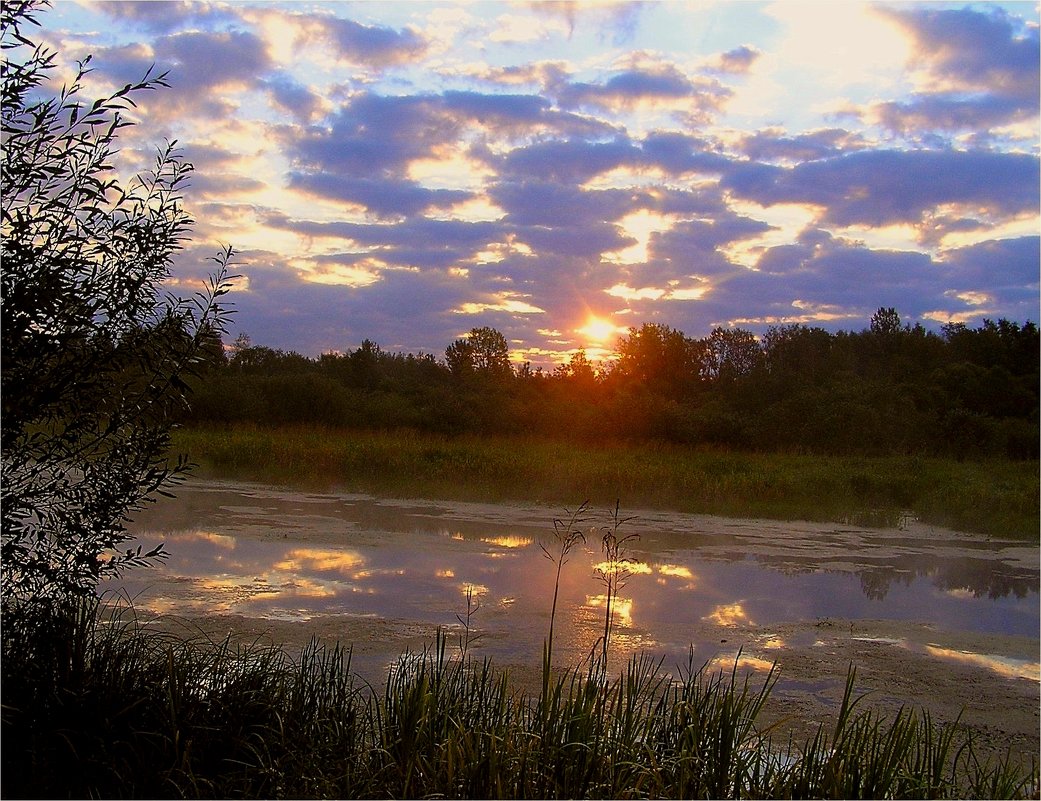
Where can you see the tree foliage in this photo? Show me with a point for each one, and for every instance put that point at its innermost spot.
(95, 353)
(891, 388)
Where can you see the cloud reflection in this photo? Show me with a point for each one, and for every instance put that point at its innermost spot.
(304, 559)
(1001, 665)
(729, 615)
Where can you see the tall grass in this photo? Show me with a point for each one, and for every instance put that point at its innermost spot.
(996, 498)
(95, 705)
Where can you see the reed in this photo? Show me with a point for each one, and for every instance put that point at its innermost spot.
(97, 705)
(996, 498)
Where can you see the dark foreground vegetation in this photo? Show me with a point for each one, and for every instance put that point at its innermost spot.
(97, 706)
(994, 497)
(891, 389)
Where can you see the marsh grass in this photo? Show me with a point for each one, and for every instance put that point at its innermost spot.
(97, 705)
(996, 498)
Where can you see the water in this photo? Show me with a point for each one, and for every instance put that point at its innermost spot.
(709, 582)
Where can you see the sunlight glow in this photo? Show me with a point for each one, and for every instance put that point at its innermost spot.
(507, 304)
(599, 331)
(629, 293)
(639, 225)
(787, 219)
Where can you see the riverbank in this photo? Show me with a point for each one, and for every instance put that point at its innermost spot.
(993, 498)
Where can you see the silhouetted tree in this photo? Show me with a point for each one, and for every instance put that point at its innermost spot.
(483, 351)
(95, 356)
(661, 359)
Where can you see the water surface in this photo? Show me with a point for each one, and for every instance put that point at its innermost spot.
(270, 553)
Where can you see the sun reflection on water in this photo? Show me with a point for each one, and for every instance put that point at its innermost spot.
(621, 608)
(509, 541)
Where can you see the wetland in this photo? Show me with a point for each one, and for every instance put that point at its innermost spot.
(930, 617)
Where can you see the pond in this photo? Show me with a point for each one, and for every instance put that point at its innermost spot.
(700, 582)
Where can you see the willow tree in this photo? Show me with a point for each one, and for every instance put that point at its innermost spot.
(96, 352)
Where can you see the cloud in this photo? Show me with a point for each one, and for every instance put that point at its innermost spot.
(290, 95)
(881, 187)
(981, 69)
(679, 153)
(975, 49)
(163, 16)
(384, 197)
(418, 242)
(617, 18)
(569, 161)
(554, 205)
(655, 84)
(232, 57)
(949, 112)
(356, 43)
(737, 61)
(236, 61)
(362, 152)
(774, 145)
(403, 182)
(995, 263)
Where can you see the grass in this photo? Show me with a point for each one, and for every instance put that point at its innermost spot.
(996, 498)
(97, 706)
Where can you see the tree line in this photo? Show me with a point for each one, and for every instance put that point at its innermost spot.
(889, 389)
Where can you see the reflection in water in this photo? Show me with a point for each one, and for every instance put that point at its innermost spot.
(303, 560)
(1002, 665)
(621, 608)
(726, 662)
(618, 567)
(729, 615)
(414, 562)
(509, 541)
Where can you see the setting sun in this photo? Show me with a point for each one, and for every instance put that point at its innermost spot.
(599, 330)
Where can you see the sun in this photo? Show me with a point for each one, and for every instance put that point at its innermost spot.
(598, 330)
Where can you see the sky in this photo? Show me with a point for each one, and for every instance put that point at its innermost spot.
(561, 171)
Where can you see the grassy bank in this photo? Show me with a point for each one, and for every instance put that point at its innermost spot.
(100, 707)
(997, 498)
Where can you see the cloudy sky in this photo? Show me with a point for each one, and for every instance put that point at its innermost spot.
(406, 171)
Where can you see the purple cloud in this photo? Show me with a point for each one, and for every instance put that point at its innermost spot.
(739, 60)
(553, 205)
(774, 145)
(571, 161)
(163, 16)
(230, 57)
(384, 197)
(988, 62)
(881, 187)
(679, 153)
(662, 83)
(367, 44)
